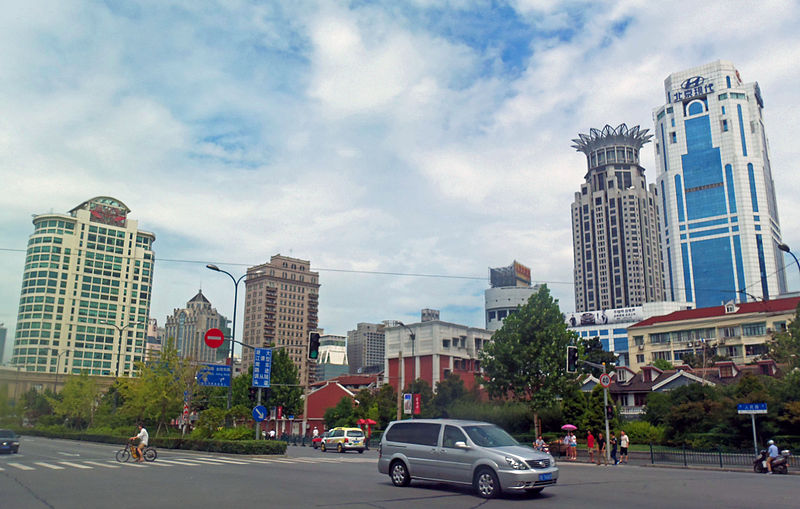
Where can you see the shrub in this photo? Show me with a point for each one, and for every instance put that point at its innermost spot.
(642, 432)
(240, 433)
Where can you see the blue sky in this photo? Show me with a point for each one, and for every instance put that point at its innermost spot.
(422, 137)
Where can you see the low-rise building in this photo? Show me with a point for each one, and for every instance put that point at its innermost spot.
(737, 332)
(432, 350)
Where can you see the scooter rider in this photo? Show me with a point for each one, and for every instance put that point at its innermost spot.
(772, 453)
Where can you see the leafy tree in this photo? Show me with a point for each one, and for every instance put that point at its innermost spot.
(386, 402)
(448, 391)
(285, 391)
(595, 416)
(663, 364)
(657, 408)
(157, 394)
(573, 404)
(785, 346)
(37, 404)
(526, 358)
(79, 400)
(591, 349)
(340, 415)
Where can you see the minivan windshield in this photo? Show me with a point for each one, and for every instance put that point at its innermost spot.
(489, 436)
(355, 433)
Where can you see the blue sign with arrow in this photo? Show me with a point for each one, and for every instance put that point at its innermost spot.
(259, 413)
(214, 375)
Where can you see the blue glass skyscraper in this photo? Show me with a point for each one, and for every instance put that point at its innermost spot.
(719, 219)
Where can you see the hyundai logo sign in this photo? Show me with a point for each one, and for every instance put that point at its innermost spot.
(694, 81)
(696, 86)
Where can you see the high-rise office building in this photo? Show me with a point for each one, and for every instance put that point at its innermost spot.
(3, 332)
(86, 290)
(332, 361)
(366, 347)
(280, 309)
(186, 328)
(615, 224)
(720, 228)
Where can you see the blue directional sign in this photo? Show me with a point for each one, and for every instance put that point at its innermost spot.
(214, 375)
(262, 367)
(752, 408)
(259, 413)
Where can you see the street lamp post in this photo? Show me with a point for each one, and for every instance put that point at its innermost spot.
(58, 360)
(233, 330)
(119, 330)
(785, 248)
(413, 354)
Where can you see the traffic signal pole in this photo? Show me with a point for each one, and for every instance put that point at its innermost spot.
(605, 396)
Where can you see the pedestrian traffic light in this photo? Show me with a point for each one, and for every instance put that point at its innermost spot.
(572, 359)
(251, 394)
(610, 412)
(313, 346)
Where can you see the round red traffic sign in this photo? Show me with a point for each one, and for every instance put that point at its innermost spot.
(605, 380)
(214, 338)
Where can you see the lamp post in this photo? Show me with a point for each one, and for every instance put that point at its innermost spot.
(236, 282)
(119, 330)
(785, 248)
(58, 360)
(413, 355)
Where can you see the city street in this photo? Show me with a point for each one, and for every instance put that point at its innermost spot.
(64, 474)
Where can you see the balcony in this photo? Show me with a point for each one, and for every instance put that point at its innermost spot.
(632, 411)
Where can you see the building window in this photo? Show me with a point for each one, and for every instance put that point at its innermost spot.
(673, 137)
(640, 358)
(724, 125)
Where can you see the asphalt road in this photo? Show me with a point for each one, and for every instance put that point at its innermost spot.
(65, 474)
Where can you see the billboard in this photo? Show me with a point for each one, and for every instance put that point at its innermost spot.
(605, 316)
(522, 273)
(515, 274)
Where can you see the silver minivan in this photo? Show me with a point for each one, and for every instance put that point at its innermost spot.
(463, 452)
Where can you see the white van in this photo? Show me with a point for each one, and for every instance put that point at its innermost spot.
(463, 452)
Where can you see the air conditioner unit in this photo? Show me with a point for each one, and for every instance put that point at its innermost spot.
(769, 330)
(690, 344)
(641, 347)
(721, 341)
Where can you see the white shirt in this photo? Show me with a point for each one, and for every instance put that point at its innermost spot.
(315, 433)
(143, 436)
(623, 441)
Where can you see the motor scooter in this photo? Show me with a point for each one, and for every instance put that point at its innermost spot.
(779, 464)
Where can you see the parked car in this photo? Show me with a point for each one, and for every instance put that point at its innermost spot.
(9, 441)
(343, 440)
(463, 452)
(317, 440)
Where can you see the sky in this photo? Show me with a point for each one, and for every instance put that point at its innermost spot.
(418, 137)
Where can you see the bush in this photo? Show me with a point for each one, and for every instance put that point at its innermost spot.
(512, 417)
(240, 433)
(642, 432)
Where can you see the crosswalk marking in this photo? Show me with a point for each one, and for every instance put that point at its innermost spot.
(220, 460)
(76, 465)
(176, 462)
(48, 465)
(136, 465)
(105, 465)
(19, 466)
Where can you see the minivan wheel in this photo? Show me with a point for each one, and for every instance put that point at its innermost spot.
(399, 474)
(340, 448)
(486, 483)
(322, 447)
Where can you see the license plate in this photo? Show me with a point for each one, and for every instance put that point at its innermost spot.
(545, 477)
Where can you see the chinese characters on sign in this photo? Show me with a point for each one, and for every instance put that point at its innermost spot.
(695, 86)
(214, 375)
(262, 367)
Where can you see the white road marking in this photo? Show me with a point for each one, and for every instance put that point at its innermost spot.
(176, 462)
(69, 454)
(75, 465)
(219, 460)
(19, 466)
(136, 465)
(48, 465)
(100, 464)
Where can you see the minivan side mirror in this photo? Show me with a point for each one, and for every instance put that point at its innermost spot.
(461, 445)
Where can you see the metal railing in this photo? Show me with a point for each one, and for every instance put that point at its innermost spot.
(718, 457)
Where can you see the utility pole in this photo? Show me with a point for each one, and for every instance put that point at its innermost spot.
(605, 402)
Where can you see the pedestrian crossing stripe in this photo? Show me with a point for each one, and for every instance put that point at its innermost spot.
(104, 465)
(19, 466)
(48, 465)
(177, 462)
(76, 465)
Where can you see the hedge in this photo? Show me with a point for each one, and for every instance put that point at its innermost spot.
(224, 446)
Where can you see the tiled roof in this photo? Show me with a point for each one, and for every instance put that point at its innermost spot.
(351, 380)
(710, 374)
(768, 306)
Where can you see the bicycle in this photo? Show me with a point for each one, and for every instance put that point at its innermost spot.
(124, 454)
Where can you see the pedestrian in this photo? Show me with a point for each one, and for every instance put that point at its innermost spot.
(624, 441)
(565, 443)
(573, 446)
(590, 446)
(272, 434)
(613, 441)
(315, 432)
(601, 449)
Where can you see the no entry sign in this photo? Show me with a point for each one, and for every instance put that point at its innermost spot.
(214, 338)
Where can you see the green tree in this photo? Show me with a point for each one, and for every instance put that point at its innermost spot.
(591, 349)
(526, 358)
(157, 394)
(79, 400)
(573, 404)
(448, 391)
(595, 416)
(785, 346)
(340, 415)
(37, 404)
(663, 364)
(285, 390)
(386, 401)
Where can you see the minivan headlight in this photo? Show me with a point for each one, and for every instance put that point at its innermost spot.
(516, 464)
(552, 461)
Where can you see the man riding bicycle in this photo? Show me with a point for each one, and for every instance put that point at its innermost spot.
(143, 439)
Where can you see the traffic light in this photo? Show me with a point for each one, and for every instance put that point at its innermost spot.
(252, 393)
(313, 346)
(610, 412)
(572, 359)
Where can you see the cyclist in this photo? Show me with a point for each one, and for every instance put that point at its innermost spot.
(143, 439)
